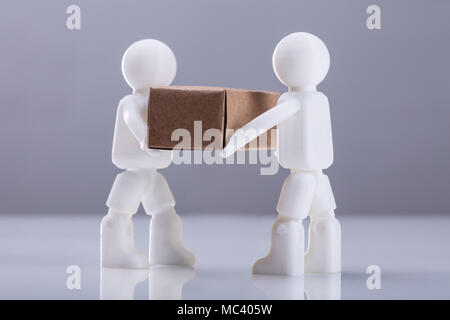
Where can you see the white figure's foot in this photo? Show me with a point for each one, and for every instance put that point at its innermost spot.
(286, 252)
(119, 284)
(117, 248)
(166, 282)
(324, 251)
(166, 244)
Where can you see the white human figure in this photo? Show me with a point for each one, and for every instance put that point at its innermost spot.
(300, 61)
(146, 63)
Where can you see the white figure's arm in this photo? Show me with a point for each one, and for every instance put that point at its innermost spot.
(260, 125)
(137, 124)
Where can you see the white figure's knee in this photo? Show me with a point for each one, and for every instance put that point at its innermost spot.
(285, 226)
(324, 250)
(324, 225)
(325, 233)
(158, 198)
(127, 191)
(296, 195)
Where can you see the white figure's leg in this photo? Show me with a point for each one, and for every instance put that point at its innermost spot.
(167, 282)
(324, 249)
(166, 243)
(119, 284)
(117, 249)
(286, 254)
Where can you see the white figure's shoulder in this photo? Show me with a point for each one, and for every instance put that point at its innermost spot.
(129, 101)
(305, 97)
(287, 95)
(133, 104)
(322, 96)
(124, 102)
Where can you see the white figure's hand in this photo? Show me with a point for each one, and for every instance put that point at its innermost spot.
(153, 153)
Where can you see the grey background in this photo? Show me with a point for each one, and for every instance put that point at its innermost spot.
(388, 91)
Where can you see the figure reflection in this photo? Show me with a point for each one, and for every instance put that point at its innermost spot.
(165, 282)
(119, 284)
(314, 286)
(280, 287)
(323, 286)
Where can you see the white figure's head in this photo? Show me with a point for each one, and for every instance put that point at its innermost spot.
(301, 61)
(148, 63)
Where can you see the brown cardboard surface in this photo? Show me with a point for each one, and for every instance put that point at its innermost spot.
(175, 107)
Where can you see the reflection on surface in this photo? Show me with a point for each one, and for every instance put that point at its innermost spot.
(325, 286)
(165, 282)
(280, 287)
(119, 284)
(314, 286)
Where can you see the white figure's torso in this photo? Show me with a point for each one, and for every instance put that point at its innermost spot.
(305, 140)
(126, 151)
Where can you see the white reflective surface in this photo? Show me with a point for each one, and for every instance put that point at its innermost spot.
(35, 250)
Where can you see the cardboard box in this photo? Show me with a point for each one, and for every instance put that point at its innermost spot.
(180, 107)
